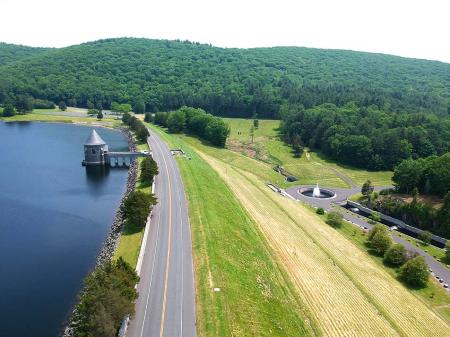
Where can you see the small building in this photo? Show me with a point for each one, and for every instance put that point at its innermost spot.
(95, 150)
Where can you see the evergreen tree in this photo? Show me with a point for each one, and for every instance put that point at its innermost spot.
(62, 106)
(367, 188)
(149, 169)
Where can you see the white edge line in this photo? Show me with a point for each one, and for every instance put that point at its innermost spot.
(144, 239)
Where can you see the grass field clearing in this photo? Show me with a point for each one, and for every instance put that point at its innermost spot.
(332, 274)
(311, 168)
(38, 117)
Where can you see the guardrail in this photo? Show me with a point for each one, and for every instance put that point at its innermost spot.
(399, 223)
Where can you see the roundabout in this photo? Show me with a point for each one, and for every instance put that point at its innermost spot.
(320, 197)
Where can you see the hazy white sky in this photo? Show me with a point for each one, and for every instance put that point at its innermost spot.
(413, 28)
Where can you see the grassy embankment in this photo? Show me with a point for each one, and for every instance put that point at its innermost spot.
(347, 292)
(42, 115)
(256, 297)
(311, 168)
(131, 237)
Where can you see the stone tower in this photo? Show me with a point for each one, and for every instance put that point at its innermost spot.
(95, 150)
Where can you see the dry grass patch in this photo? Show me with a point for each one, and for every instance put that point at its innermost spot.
(348, 294)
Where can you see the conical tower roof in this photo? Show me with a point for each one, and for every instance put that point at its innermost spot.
(94, 139)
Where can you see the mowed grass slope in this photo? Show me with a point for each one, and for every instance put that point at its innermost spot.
(311, 168)
(256, 298)
(347, 292)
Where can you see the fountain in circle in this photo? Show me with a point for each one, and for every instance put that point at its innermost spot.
(317, 192)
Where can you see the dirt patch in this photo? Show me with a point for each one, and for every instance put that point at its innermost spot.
(253, 150)
(434, 201)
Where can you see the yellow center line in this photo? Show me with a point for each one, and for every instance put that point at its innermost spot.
(163, 315)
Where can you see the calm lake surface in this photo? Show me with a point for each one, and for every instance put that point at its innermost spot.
(54, 216)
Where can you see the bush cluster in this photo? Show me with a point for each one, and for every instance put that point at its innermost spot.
(413, 269)
(334, 219)
(196, 122)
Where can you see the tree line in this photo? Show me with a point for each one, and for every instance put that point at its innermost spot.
(430, 175)
(136, 126)
(366, 137)
(108, 296)
(196, 122)
(412, 268)
(159, 75)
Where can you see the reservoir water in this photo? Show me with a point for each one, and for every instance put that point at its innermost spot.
(54, 217)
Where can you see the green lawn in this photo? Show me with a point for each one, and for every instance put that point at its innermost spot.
(131, 237)
(311, 168)
(41, 117)
(256, 298)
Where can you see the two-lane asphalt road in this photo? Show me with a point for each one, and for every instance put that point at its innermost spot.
(166, 303)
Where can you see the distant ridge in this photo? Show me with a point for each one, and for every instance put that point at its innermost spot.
(12, 52)
(233, 82)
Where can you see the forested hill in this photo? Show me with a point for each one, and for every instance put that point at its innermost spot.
(13, 53)
(233, 82)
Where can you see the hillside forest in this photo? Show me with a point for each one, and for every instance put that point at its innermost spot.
(362, 109)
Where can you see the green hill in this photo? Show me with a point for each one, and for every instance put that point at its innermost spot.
(12, 53)
(231, 82)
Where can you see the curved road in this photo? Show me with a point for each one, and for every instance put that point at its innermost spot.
(166, 303)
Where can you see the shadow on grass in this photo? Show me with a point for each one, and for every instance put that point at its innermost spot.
(130, 229)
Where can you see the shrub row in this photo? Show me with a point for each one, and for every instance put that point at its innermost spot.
(413, 268)
(137, 126)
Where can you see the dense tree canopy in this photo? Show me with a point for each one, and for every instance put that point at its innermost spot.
(429, 175)
(367, 137)
(165, 75)
(12, 53)
(197, 122)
